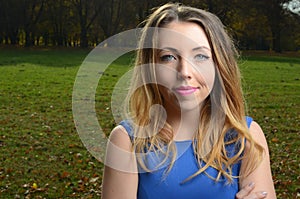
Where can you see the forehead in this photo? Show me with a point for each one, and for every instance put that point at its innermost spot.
(182, 35)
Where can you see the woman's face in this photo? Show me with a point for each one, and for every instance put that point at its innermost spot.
(185, 70)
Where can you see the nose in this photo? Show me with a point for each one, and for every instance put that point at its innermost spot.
(184, 69)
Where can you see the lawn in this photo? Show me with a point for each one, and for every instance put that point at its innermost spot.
(42, 155)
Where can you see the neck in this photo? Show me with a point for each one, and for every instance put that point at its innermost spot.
(185, 123)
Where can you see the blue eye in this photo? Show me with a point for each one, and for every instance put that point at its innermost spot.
(201, 57)
(167, 58)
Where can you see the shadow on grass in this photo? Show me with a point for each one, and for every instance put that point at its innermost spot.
(266, 56)
(64, 57)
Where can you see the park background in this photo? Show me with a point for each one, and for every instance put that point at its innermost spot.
(42, 45)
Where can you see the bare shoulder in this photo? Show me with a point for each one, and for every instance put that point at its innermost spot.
(258, 134)
(119, 153)
(120, 179)
(261, 176)
(119, 136)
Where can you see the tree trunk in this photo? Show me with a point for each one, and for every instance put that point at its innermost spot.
(14, 37)
(27, 39)
(276, 41)
(83, 37)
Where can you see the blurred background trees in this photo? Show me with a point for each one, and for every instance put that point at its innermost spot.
(254, 25)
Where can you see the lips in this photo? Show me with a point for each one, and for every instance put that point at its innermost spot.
(186, 90)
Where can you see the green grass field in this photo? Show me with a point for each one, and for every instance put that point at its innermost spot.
(42, 155)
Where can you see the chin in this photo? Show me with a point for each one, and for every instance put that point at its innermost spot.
(186, 106)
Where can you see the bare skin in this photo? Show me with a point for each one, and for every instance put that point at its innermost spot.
(121, 181)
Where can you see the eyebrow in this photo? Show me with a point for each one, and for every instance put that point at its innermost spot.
(169, 48)
(200, 48)
(176, 51)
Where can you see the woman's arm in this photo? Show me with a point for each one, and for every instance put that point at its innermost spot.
(120, 178)
(259, 183)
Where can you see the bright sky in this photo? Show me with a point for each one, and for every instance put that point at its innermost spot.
(293, 6)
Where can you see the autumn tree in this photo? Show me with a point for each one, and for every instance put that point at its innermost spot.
(31, 12)
(87, 11)
(257, 25)
(10, 21)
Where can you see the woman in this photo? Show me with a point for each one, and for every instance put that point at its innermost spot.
(187, 135)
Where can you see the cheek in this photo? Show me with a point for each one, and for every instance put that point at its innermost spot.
(205, 75)
(165, 76)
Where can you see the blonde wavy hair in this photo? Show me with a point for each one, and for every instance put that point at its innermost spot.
(226, 96)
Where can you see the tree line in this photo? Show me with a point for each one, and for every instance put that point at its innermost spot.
(255, 25)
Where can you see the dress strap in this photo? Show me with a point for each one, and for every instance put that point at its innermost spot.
(249, 121)
(128, 127)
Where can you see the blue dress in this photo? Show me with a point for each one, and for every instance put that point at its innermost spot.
(157, 185)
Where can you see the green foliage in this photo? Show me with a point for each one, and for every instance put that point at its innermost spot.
(43, 157)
